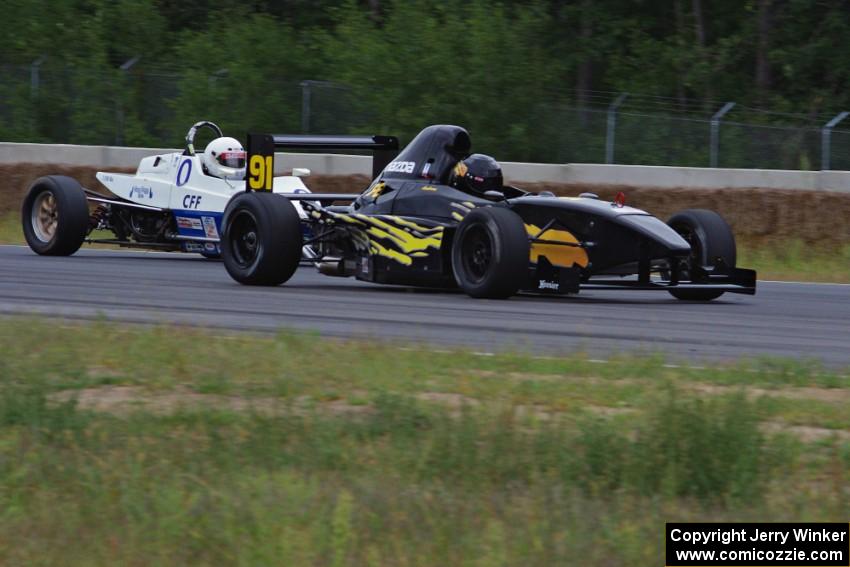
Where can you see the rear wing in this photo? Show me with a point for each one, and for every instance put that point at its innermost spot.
(261, 148)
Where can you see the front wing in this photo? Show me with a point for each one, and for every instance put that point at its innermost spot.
(545, 278)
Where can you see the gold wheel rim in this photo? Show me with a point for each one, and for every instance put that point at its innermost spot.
(45, 216)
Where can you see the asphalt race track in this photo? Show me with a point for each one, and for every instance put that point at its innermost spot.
(783, 319)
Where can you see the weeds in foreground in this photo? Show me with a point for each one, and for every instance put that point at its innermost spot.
(348, 454)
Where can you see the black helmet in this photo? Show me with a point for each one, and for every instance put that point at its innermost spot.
(478, 173)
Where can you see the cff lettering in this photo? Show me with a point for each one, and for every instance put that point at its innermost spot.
(191, 201)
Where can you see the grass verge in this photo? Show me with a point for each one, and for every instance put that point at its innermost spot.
(10, 229)
(174, 446)
(793, 260)
(789, 260)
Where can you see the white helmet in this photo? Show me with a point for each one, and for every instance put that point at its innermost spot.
(225, 157)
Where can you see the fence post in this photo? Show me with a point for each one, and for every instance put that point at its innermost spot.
(825, 139)
(212, 80)
(715, 132)
(306, 100)
(305, 106)
(612, 127)
(119, 104)
(35, 75)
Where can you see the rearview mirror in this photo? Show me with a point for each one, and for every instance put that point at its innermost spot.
(300, 172)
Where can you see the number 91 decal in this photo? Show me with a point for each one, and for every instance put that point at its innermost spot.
(261, 173)
(260, 162)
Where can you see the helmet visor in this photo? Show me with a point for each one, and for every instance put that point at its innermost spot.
(236, 159)
(482, 184)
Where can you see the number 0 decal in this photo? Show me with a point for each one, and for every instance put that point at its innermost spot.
(261, 173)
(260, 162)
(187, 167)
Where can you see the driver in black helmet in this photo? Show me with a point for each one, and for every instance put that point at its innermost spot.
(477, 174)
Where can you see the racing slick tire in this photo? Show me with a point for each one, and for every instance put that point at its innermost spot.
(261, 240)
(490, 253)
(711, 239)
(55, 216)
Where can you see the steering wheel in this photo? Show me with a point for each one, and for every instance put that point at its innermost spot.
(190, 136)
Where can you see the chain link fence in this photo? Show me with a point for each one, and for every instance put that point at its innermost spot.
(840, 150)
(136, 106)
(657, 139)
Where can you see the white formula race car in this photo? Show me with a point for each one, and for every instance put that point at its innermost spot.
(174, 202)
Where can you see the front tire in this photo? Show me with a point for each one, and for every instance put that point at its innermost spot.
(711, 239)
(55, 216)
(261, 239)
(490, 253)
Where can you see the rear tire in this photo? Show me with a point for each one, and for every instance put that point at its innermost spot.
(55, 216)
(490, 253)
(261, 239)
(711, 239)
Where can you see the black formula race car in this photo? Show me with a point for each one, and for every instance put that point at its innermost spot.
(437, 216)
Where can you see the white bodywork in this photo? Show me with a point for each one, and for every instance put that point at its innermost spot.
(178, 183)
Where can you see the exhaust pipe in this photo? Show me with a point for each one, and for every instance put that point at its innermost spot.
(337, 267)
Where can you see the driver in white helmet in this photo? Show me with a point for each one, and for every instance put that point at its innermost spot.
(225, 158)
